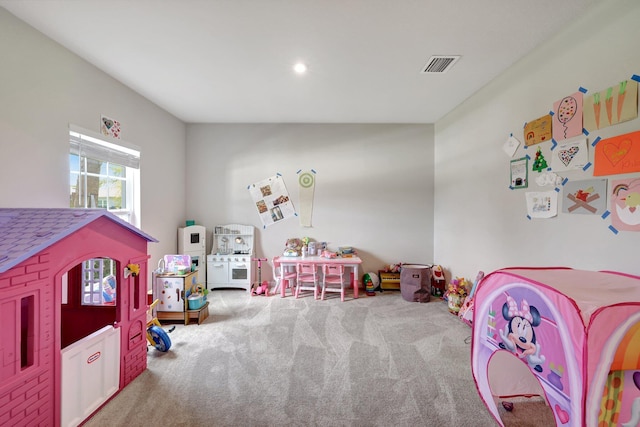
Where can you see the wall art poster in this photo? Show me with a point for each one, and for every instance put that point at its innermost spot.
(511, 146)
(538, 131)
(617, 155)
(611, 106)
(306, 186)
(519, 172)
(110, 127)
(570, 155)
(624, 199)
(272, 201)
(567, 117)
(543, 204)
(585, 197)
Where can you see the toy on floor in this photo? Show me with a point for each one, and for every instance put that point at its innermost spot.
(438, 281)
(569, 336)
(156, 336)
(371, 282)
(260, 288)
(466, 311)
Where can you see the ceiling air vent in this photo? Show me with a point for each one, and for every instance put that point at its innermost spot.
(440, 64)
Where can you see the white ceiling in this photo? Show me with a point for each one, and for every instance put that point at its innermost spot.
(231, 60)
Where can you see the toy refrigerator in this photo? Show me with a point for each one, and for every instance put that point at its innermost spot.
(191, 241)
(169, 290)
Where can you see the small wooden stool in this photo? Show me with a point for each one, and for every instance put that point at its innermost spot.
(200, 314)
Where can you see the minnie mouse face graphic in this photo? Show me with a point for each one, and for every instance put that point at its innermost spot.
(519, 335)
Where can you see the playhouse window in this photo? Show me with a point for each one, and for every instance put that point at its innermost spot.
(104, 174)
(27, 335)
(99, 282)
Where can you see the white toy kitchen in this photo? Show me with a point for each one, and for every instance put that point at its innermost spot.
(229, 265)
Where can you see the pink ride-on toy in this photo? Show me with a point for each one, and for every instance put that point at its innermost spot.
(260, 288)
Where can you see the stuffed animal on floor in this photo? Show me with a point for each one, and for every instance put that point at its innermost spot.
(261, 289)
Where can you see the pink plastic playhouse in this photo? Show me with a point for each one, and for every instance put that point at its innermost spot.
(570, 336)
(68, 341)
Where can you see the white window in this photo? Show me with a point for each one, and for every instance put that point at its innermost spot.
(104, 173)
(99, 282)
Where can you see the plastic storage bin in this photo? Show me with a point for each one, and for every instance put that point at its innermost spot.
(195, 302)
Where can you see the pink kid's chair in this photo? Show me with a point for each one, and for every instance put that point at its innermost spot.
(307, 279)
(284, 277)
(333, 274)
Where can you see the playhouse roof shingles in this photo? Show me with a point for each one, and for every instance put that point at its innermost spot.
(25, 232)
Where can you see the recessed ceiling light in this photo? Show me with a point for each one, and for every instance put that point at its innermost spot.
(300, 68)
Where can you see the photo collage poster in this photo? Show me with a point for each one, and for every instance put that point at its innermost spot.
(271, 199)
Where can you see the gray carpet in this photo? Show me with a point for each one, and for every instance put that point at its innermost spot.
(271, 361)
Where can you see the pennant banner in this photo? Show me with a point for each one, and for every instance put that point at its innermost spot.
(307, 183)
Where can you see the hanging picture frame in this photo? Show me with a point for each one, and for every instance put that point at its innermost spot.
(519, 173)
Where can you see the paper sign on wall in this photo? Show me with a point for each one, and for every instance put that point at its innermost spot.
(272, 201)
(567, 117)
(587, 197)
(543, 204)
(625, 204)
(570, 156)
(306, 182)
(611, 106)
(511, 146)
(538, 130)
(617, 155)
(519, 173)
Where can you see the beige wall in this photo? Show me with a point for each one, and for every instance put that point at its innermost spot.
(374, 184)
(43, 89)
(480, 224)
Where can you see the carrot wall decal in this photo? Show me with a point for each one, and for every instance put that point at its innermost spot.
(622, 90)
(608, 101)
(596, 109)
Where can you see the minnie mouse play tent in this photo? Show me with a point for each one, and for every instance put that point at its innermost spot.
(571, 336)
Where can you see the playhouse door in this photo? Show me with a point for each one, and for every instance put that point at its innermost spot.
(90, 374)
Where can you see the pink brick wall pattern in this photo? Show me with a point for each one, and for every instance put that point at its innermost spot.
(28, 401)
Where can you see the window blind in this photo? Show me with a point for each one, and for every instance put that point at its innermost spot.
(97, 147)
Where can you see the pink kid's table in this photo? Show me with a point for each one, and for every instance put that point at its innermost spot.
(351, 262)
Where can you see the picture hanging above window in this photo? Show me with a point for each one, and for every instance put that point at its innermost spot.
(110, 127)
(567, 117)
(519, 173)
(611, 106)
(538, 130)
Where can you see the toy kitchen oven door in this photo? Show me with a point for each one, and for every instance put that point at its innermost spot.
(230, 265)
(229, 271)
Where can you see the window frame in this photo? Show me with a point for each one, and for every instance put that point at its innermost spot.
(96, 271)
(108, 151)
